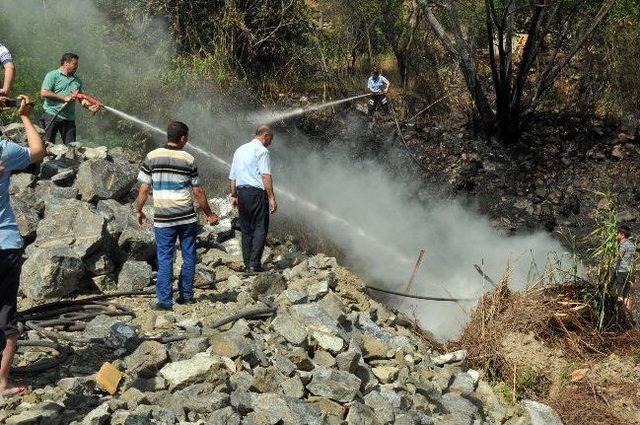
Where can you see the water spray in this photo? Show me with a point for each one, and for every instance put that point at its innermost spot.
(328, 216)
(270, 117)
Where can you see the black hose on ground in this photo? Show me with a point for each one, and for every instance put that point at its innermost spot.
(419, 297)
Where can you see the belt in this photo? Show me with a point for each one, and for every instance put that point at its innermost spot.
(247, 186)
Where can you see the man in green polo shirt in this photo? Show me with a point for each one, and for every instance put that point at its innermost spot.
(59, 107)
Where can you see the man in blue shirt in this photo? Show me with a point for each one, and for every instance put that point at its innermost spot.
(13, 157)
(378, 86)
(252, 194)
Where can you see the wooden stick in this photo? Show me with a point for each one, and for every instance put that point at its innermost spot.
(407, 287)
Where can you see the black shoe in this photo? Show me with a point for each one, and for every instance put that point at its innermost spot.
(255, 269)
(161, 307)
(181, 300)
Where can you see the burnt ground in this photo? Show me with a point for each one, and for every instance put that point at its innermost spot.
(553, 180)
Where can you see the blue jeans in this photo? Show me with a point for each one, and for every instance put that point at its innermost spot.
(165, 244)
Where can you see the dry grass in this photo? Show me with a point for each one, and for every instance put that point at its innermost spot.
(509, 329)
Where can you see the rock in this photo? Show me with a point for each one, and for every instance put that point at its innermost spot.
(267, 283)
(455, 357)
(293, 387)
(291, 329)
(361, 414)
(51, 273)
(99, 152)
(266, 380)
(334, 384)
(99, 327)
(123, 337)
(463, 384)
(227, 344)
(52, 167)
(46, 412)
(459, 407)
(202, 398)
(64, 178)
(271, 409)
(98, 264)
(491, 405)
(108, 378)
(102, 179)
(315, 318)
(21, 182)
(98, 416)
(381, 407)
(71, 224)
(182, 373)
(136, 243)
(385, 374)
(328, 342)
(375, 348)
(226, 416)
(134, 276)
(26, 217)
(541, 414)
(105, 283)
(348, 361)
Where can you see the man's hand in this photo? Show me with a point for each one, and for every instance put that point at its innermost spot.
(212, 219)
(234, 202)
(140, 218)
(4, 92)
(26, 107)
(273, 205)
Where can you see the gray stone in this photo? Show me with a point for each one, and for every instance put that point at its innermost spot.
(21, 182)
(334, 384)
(315, 318)
(455, 357)
(293, 387)
(328, 342)
(105, 283)
(134, 276)
(51, 273)
(202, 398)
(348, 361)
(46, 412)
(136, 243)
(361, 414)
(64, 178)
(102, 179)
(541, 414)
(182, 373)
(26, 216)
(99, 152)
(290, 329)
(123, 337)
(71, 224)
(271, 409)
(459, 406)
(267, 283)
(99, 264)
(52, 167)
(224, 416)
(98, 416)
(99, 327)
(147, 359)
(381, 406)
(463, 384)
(227, 344)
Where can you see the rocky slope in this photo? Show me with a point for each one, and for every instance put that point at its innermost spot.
(320, 352)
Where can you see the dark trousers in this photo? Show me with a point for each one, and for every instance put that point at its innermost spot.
(10, 267)
(377, 101)
(66, 128)
(253, 207)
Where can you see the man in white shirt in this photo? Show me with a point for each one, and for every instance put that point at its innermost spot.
(252, 194)
(378, 86)
(6, 60)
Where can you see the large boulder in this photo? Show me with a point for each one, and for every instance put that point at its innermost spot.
(26, 216)
(51, 273)
(134, 276)
(136, 243)
(103, 179)
(72, 224)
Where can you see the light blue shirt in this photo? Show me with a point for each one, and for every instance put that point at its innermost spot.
(377, 85)
(250, 161)
(14, 157)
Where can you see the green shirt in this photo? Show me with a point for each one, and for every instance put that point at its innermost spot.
(64, 85)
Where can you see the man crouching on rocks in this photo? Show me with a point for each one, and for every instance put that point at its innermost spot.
(172, 174)
(13, 157)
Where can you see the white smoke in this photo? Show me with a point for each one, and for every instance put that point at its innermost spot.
(381, 225)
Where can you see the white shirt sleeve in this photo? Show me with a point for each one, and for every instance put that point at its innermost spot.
(384, 80)
(232, 171)
(264, 164)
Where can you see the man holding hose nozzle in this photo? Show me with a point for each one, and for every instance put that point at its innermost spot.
(252, 194)
(13, 157)
(57, 91)
(379, 87)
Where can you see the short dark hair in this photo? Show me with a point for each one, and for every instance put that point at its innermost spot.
(264, 129)
(176, 130)
(375, 70)
(625, 230)
(68, 57)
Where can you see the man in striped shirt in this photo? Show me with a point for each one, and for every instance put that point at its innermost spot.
(6, 60)
(173, 176)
